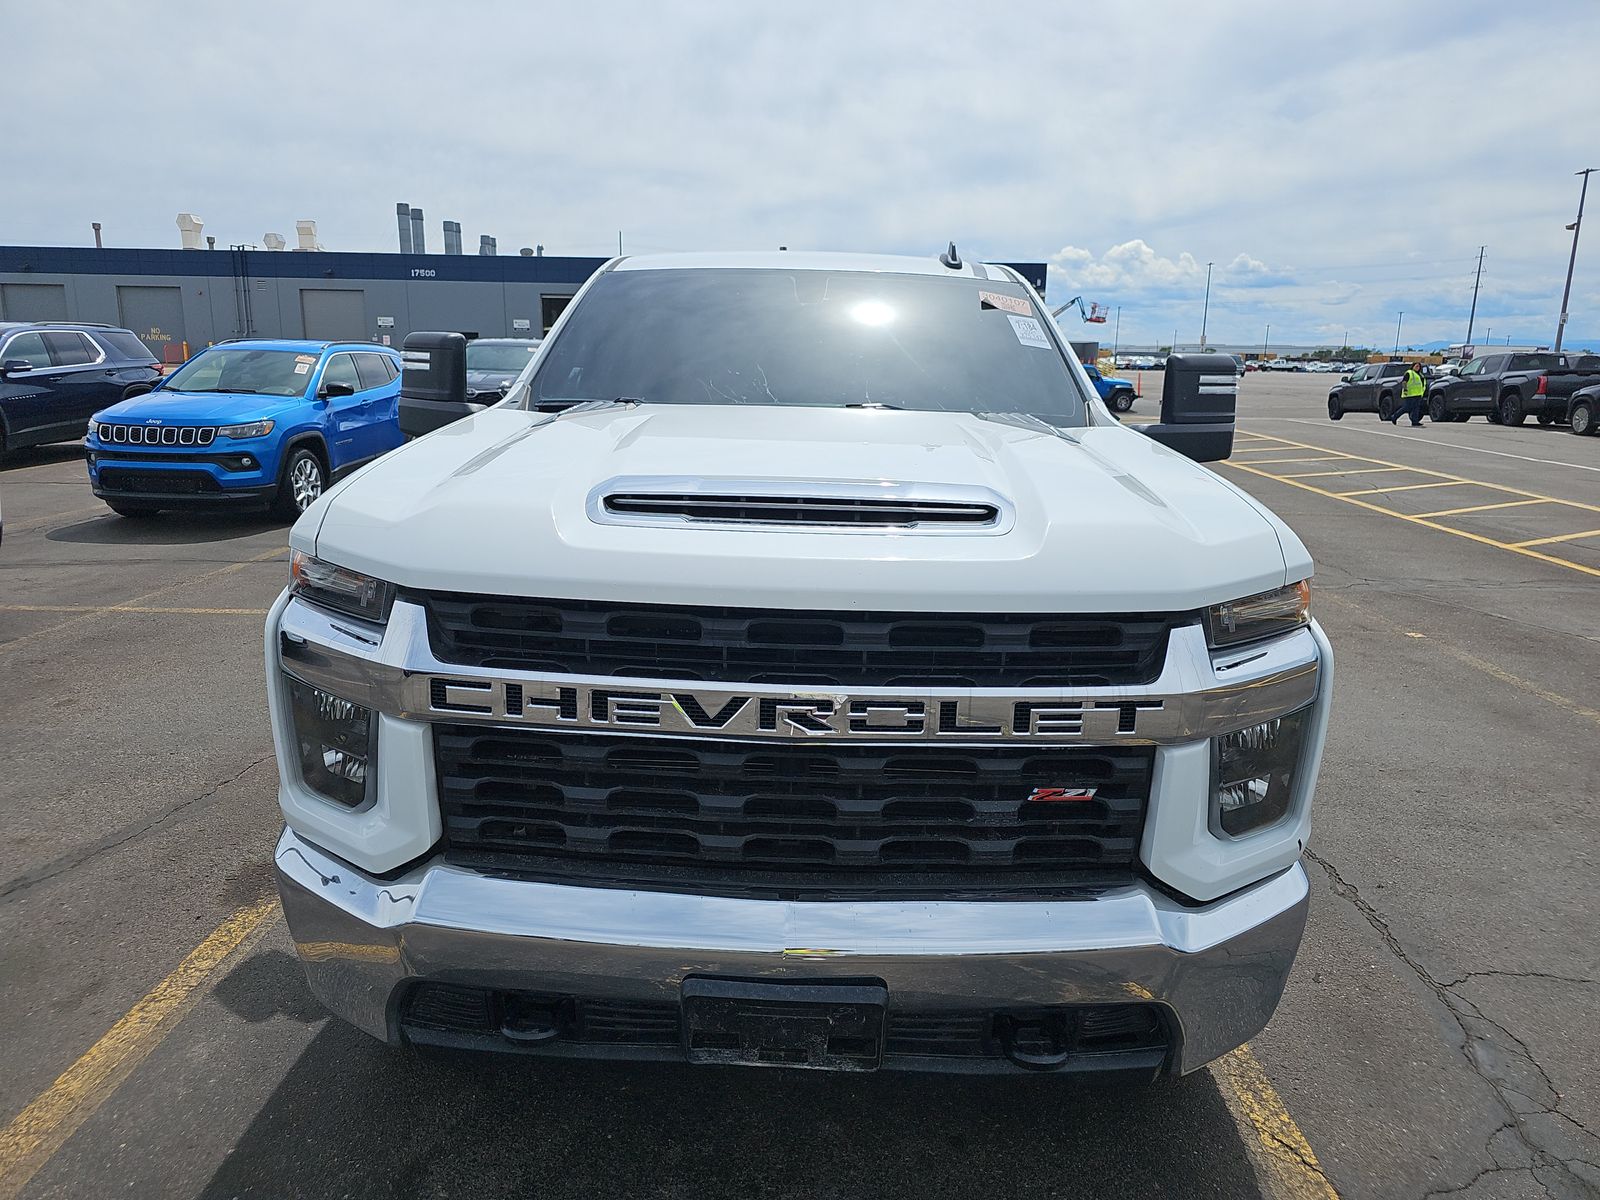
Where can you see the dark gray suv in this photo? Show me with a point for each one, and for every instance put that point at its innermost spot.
(55, 375)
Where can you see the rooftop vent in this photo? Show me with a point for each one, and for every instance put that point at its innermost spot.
(189, 227)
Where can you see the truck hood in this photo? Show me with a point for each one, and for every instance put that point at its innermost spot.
(197, 408)
(1101, 520)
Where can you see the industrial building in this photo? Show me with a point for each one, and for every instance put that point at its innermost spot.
(181, 300)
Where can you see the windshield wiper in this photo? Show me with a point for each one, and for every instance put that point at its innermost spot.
(875, 404)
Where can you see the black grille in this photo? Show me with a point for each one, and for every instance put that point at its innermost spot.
(753, 818)
(114, 479)
(1087, 1029)
(801, 510)
(740, 645)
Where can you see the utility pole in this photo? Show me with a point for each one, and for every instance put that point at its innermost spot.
(1472, 316)
(1206, 312)
(1576, 226)
(1398, 319)
(1116, 336)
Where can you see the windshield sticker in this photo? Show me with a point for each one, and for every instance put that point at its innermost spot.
(305, 358)
(1028, 331)
(300, 368)
(1010, 304)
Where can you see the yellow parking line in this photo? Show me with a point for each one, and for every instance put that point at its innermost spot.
(1498, 487)
(136, 600)
(1412, 487)
(1461, 533)
(1362, 471)
(1560, 537)
(42, 1128)
(1472, 508)
(1286, 1166)
(1262, 462)
(38, 522)
(129, 608)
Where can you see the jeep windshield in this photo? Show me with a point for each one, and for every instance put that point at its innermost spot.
(245, 371)
(813, 338)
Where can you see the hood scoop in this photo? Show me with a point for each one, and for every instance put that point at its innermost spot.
(815, 506)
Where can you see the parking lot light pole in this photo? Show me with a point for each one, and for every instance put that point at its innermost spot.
(1266, 340)
(1206, 311)
(1576, 227)
(1116, 336)
(1398, 319)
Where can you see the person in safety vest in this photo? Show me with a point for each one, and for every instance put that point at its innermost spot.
(1411, 389)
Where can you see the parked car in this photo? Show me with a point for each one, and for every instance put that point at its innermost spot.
(803, 671)
(55, 375)
(247, 424)
(493, 364)
(1583, 409)
(1117, 393)
(1372, 388)
(1507, 388)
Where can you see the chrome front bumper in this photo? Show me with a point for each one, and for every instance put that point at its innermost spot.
(1218, 969)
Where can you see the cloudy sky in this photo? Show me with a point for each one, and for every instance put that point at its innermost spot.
(1338, 162)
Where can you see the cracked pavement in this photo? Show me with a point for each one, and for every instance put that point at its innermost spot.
(1437, 1038)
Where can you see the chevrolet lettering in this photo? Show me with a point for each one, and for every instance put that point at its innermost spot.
(801, 667)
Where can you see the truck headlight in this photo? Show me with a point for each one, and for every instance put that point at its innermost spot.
(339, 588)
(1259, 616)
(253, 429)
(1253, 774)
(334, 743)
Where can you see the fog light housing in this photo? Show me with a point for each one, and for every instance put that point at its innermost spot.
(335, 742)
(1253, 774)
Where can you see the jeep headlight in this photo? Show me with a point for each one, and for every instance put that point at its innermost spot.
(253, 429)
(1261, 616)
(1253, 774)
(335, 741)
(94, 429)
(339, 588)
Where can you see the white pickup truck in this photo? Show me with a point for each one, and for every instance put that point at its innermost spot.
(802, 667)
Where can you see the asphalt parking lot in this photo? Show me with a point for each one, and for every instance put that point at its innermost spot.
(1438, 1035)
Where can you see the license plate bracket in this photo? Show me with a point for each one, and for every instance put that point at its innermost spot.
(820, 1027)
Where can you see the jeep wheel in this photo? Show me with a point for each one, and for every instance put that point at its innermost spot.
(1583, 418)
(1122, 401)
(304, 478)
(1335, 408)
(1511, 409)
(1386, 407)
(124, 509)
(1438, 413)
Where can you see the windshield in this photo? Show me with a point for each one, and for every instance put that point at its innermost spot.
(809, 338)
(1536, 362)
(510, 357)
(240, 369)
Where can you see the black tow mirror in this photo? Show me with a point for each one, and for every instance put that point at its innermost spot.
(15, 366)
(331, 391)
(1198, 399)
(433, 381)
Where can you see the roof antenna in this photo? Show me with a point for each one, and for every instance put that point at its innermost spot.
(950, 258)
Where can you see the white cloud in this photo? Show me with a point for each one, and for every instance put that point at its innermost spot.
(717, 124)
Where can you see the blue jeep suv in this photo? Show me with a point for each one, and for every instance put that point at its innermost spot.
(247, 424)
(55, 375)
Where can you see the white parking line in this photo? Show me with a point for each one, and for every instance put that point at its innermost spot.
(1411, 437)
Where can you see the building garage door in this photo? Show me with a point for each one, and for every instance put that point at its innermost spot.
(33, 301)
(155, 314)
(334, 316)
